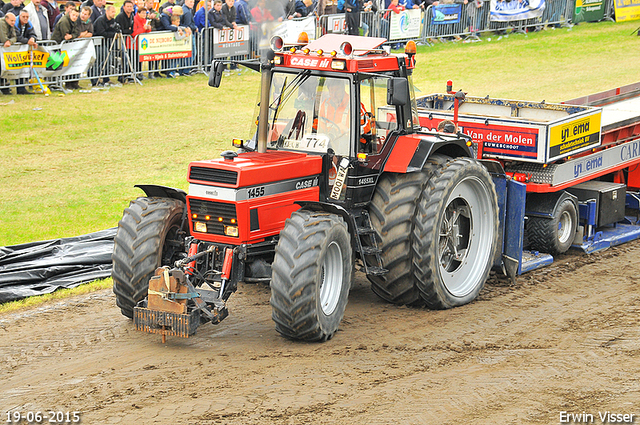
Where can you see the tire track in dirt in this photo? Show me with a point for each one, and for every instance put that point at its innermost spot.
(561, 338)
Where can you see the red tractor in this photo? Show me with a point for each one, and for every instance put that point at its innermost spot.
(338, 176)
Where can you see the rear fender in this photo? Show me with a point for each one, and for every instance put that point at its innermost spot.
(545, 204)
(410, 152)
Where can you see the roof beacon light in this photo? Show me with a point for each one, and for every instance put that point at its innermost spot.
(346, 48)
(320, 52)
(303, 38)
(277, 43)
(410, 48)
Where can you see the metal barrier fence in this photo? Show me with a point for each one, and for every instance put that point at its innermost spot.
(117, 58)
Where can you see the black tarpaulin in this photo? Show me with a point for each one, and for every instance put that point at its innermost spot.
(38, 268)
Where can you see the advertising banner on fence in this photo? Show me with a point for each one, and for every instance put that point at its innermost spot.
(446, 14)
(516, 10)
(627, 10)
(155, 46)
(231, 42)
(405, 24)
(69, 58)
(336, 24)
(290, 30)
(588, 11)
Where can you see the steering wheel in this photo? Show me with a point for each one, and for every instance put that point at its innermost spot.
(333, 128)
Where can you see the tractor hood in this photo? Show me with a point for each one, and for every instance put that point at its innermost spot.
(253, 168)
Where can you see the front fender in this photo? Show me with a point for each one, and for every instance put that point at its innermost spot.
(156, 191)
(333, 209)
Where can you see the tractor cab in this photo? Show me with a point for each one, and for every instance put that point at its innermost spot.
(340, 97)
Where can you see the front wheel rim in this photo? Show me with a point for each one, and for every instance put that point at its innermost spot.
(331, 279)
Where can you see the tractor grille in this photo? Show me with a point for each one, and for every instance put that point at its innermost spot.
(215, 211)
(213, 175)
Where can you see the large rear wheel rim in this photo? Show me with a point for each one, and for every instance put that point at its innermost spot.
(466, 236)
(331, 275)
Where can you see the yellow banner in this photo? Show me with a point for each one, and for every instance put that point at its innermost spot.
(627, 10)
(574, 135)
(20, 60)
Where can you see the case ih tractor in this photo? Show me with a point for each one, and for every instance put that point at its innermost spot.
(339, 176)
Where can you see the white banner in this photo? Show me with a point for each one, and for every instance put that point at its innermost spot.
(290, 30)
(155, 46)
(231, 42)
(68, 58)
(405, 25)
(515, 10)
(336, 24)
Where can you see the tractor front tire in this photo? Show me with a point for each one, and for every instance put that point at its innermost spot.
(455, 234)
(311, 276)
(147, 237)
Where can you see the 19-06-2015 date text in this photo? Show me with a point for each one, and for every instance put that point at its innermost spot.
(43, 417)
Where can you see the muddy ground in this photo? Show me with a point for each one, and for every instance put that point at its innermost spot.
(562, 339)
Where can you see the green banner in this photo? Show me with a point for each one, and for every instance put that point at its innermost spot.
(588, 11)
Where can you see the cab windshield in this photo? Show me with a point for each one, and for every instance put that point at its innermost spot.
(310, 113)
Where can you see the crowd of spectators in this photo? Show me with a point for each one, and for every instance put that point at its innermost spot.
(41, 20)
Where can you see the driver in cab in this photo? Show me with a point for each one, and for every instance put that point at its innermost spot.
(333, 114)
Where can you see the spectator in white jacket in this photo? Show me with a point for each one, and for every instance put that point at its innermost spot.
(39, 19)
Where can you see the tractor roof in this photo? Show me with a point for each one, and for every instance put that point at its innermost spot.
(341, 53)
(331, 42)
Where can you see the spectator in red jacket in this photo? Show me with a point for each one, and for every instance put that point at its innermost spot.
(140, 24)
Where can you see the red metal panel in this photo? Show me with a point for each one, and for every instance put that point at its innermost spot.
(259, 168)
(633, 178)
(401, 155)
(272, 212)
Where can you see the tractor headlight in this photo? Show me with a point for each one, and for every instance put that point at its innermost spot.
(200, 227)
(338, 65)
(231, 231)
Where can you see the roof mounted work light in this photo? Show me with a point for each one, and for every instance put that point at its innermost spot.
(346, 48)
(277, 43)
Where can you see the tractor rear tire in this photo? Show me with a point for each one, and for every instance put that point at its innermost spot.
(392, 212)
(311, 276)
(553, 235)
(147, 238)
(456, 234)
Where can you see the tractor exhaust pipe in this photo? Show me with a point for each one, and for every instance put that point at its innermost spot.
(263, 128)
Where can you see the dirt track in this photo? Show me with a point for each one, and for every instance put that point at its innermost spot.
(564, 338)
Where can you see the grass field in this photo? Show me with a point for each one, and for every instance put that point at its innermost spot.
(68, 164)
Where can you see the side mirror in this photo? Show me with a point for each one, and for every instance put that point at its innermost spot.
(215, 75)
(397, 91)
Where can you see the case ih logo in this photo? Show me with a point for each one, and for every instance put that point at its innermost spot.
(316, 63)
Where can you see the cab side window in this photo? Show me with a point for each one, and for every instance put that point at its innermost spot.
(377, 118)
